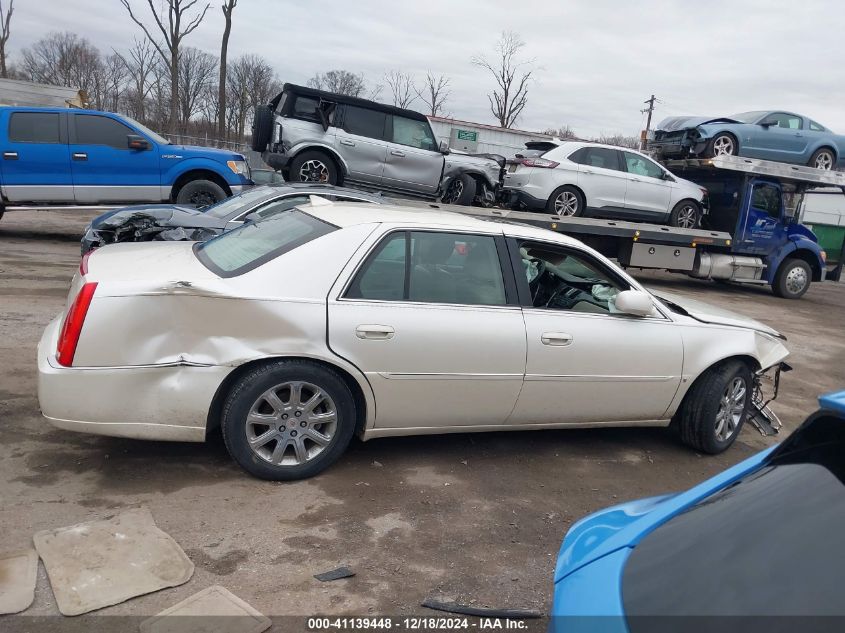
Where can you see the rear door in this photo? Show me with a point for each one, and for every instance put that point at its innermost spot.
(105, 170)
(413, 160)
(648, 192)
(427, 318)
(601, 178)
(36, 160)
(360, 140)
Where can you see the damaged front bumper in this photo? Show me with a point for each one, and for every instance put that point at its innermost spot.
(141, 227)
(766, 383)
(677, 144)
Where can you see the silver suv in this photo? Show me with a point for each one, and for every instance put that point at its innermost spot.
(316, 136)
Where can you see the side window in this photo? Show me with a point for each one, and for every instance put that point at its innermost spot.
(596, 157)
(787, 121)
(413, 133)
(642, 166)
(816, 127)
(34, 127)
(364, 122)
(92, 129)
(305, 108)
(560, 279)
(766, 198)
(442, 268)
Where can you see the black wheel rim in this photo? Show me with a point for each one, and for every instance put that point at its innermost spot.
(202, 199)
(453, 192)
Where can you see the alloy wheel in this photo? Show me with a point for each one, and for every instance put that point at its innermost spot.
(291, 423)
(796, 280)
(731, 409)
(723, 146)
(824, 161)
(454, 191)
(566, 204)
(687, 217)
(314, 171)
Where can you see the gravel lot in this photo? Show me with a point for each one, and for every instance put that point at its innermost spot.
(478, 518)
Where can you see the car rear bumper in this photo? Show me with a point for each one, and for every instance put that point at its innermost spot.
(154, 402)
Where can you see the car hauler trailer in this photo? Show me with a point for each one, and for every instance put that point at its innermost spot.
(753, 233)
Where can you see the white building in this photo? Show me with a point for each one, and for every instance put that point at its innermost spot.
(478, 138)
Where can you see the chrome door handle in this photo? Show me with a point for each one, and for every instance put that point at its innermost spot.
(10, 155)
(343, 141)
(556, 338)
(396, 152)
(375, 332)
(80, 156)
(587, 171)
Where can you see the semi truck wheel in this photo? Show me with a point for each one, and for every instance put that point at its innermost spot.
(793, 279)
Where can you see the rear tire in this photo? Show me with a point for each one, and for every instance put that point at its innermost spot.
(460, 190)
(823, 159)
(686, 215)
(566, 201)
(262, 128)
(200, 194)
(793, 279)
(313, 166)
(294, 443)
(723, 144)
(711, 415)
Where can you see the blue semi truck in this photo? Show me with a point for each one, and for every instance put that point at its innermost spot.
(752, 232)
(52, 156)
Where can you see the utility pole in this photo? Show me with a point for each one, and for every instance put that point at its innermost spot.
(650, 110)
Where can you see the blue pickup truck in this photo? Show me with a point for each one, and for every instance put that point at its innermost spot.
(85, 157)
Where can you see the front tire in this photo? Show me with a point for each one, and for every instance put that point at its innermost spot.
(686, 215)
(566, 201)
(723, 144)
(200, 194)
(823, 159)
(460, 190)
(716, 407)
(313, 166)
(288, 420)
(793, 279)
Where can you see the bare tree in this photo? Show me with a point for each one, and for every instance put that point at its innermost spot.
(511, 75)
(196, 72)
(620, 140)
(172, 18)
(110, 83)
(5, 20)
(434, 93)
(139, 62)
(402, 87)
(563, 132)
(342, 82)
(64, 59)
(228, 6)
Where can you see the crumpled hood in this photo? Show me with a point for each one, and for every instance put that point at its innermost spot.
(707, 313)
(674, 123)
(162, 214)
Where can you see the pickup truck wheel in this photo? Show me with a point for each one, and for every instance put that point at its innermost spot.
(685, 215)
(288, 420)
(716, 407)
(822, 159)
(262, 128)
(460, 190)
(723, 144)
(313, 167)
(565, 201)
(200, 194)
(792, 279)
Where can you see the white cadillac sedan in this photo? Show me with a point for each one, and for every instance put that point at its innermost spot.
(302, 329)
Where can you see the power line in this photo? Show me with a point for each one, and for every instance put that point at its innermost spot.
(650, 110)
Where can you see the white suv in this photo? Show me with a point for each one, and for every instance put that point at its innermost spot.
(577, 178)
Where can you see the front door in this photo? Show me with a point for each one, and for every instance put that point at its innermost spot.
(360, 140)
(648, 192)
(585, 362)
(784, 139)
(413, 161)
(35, 163)
(427, 319)
(105, 169)
(763, 226)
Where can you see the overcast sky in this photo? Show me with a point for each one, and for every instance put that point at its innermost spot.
(596, 60)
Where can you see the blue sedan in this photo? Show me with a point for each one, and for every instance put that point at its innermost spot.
(762, 539)
(766, 134)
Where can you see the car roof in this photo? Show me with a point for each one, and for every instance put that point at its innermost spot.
(579, 144)
(424, 215)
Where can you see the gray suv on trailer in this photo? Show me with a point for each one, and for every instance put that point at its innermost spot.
(312, 135)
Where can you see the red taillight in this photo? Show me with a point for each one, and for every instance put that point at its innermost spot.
(72, 327)
(539, 162)
(83, 263)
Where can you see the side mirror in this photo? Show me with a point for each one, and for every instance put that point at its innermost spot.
(768, 123)
(444, 147)
(634, 302)
(134, 141)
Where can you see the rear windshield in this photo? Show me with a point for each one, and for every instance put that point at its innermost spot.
(230, 206)
(256, 243)
(768, 545)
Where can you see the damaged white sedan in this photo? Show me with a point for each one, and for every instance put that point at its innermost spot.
(298, 331)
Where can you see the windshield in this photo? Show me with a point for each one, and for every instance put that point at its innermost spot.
(235, 204)
(256, 243)
(158, 138)
(748, 117)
